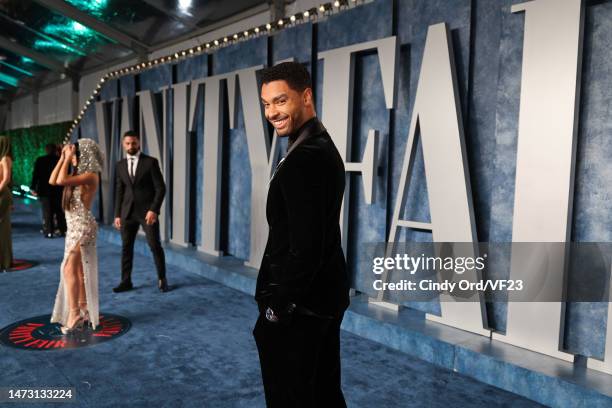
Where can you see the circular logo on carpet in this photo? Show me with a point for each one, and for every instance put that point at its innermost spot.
(36, 333)
(21, 264)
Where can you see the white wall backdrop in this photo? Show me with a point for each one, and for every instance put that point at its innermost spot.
(55, 104)
(22, 113)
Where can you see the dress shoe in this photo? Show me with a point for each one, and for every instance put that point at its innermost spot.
(162, 284)
(123, 287)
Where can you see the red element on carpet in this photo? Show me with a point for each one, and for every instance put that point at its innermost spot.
(21, 264)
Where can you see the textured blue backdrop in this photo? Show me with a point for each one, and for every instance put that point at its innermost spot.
(488, 42)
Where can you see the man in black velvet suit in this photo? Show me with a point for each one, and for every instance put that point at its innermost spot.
(50, 197)
(302, 287)
(139, 193)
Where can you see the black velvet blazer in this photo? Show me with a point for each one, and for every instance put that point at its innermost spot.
(303, 261)
(146, 193)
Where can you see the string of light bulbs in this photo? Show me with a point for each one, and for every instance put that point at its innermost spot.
(310, 15)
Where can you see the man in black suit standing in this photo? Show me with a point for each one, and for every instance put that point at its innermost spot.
(50, 197)
(302, 286)
(139, 193)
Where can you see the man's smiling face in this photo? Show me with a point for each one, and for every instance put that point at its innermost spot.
(285, 107)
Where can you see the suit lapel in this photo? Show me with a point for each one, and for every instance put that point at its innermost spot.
(278, 166)
(140, 167)
(310, 130)
(124, 168)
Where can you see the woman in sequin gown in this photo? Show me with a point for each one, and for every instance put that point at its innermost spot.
(76, 302)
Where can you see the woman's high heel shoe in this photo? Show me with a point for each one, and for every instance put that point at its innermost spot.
(78, 325)
(69, 330)
(84, 314)
(86, 319)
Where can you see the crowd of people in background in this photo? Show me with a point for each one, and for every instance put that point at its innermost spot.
(49, 196)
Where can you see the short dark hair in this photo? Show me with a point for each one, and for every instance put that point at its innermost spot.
(294, 73)
(131, 133)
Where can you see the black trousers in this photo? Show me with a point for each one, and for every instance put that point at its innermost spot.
(52, 207)
(129, 229)
(300, 362)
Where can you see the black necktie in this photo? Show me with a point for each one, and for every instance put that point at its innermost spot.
(132, 169)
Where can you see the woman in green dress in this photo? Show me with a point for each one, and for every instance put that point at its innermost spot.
(6, 244)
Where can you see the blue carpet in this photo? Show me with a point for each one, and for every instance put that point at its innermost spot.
(192, 347)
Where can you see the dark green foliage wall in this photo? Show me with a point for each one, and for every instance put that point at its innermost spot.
(29, 143)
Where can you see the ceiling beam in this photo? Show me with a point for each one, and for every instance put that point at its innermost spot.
(4, 82)
(76, 49)
(172, 14)
(193, 35)
(16, 68)
(40, 58)
(22, 84)
(87, 20)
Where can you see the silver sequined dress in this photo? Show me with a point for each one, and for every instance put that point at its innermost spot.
(83, 230)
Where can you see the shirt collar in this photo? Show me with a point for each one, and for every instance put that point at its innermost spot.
(135, 156)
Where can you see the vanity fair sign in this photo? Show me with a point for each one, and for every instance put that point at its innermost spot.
(545, 163)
